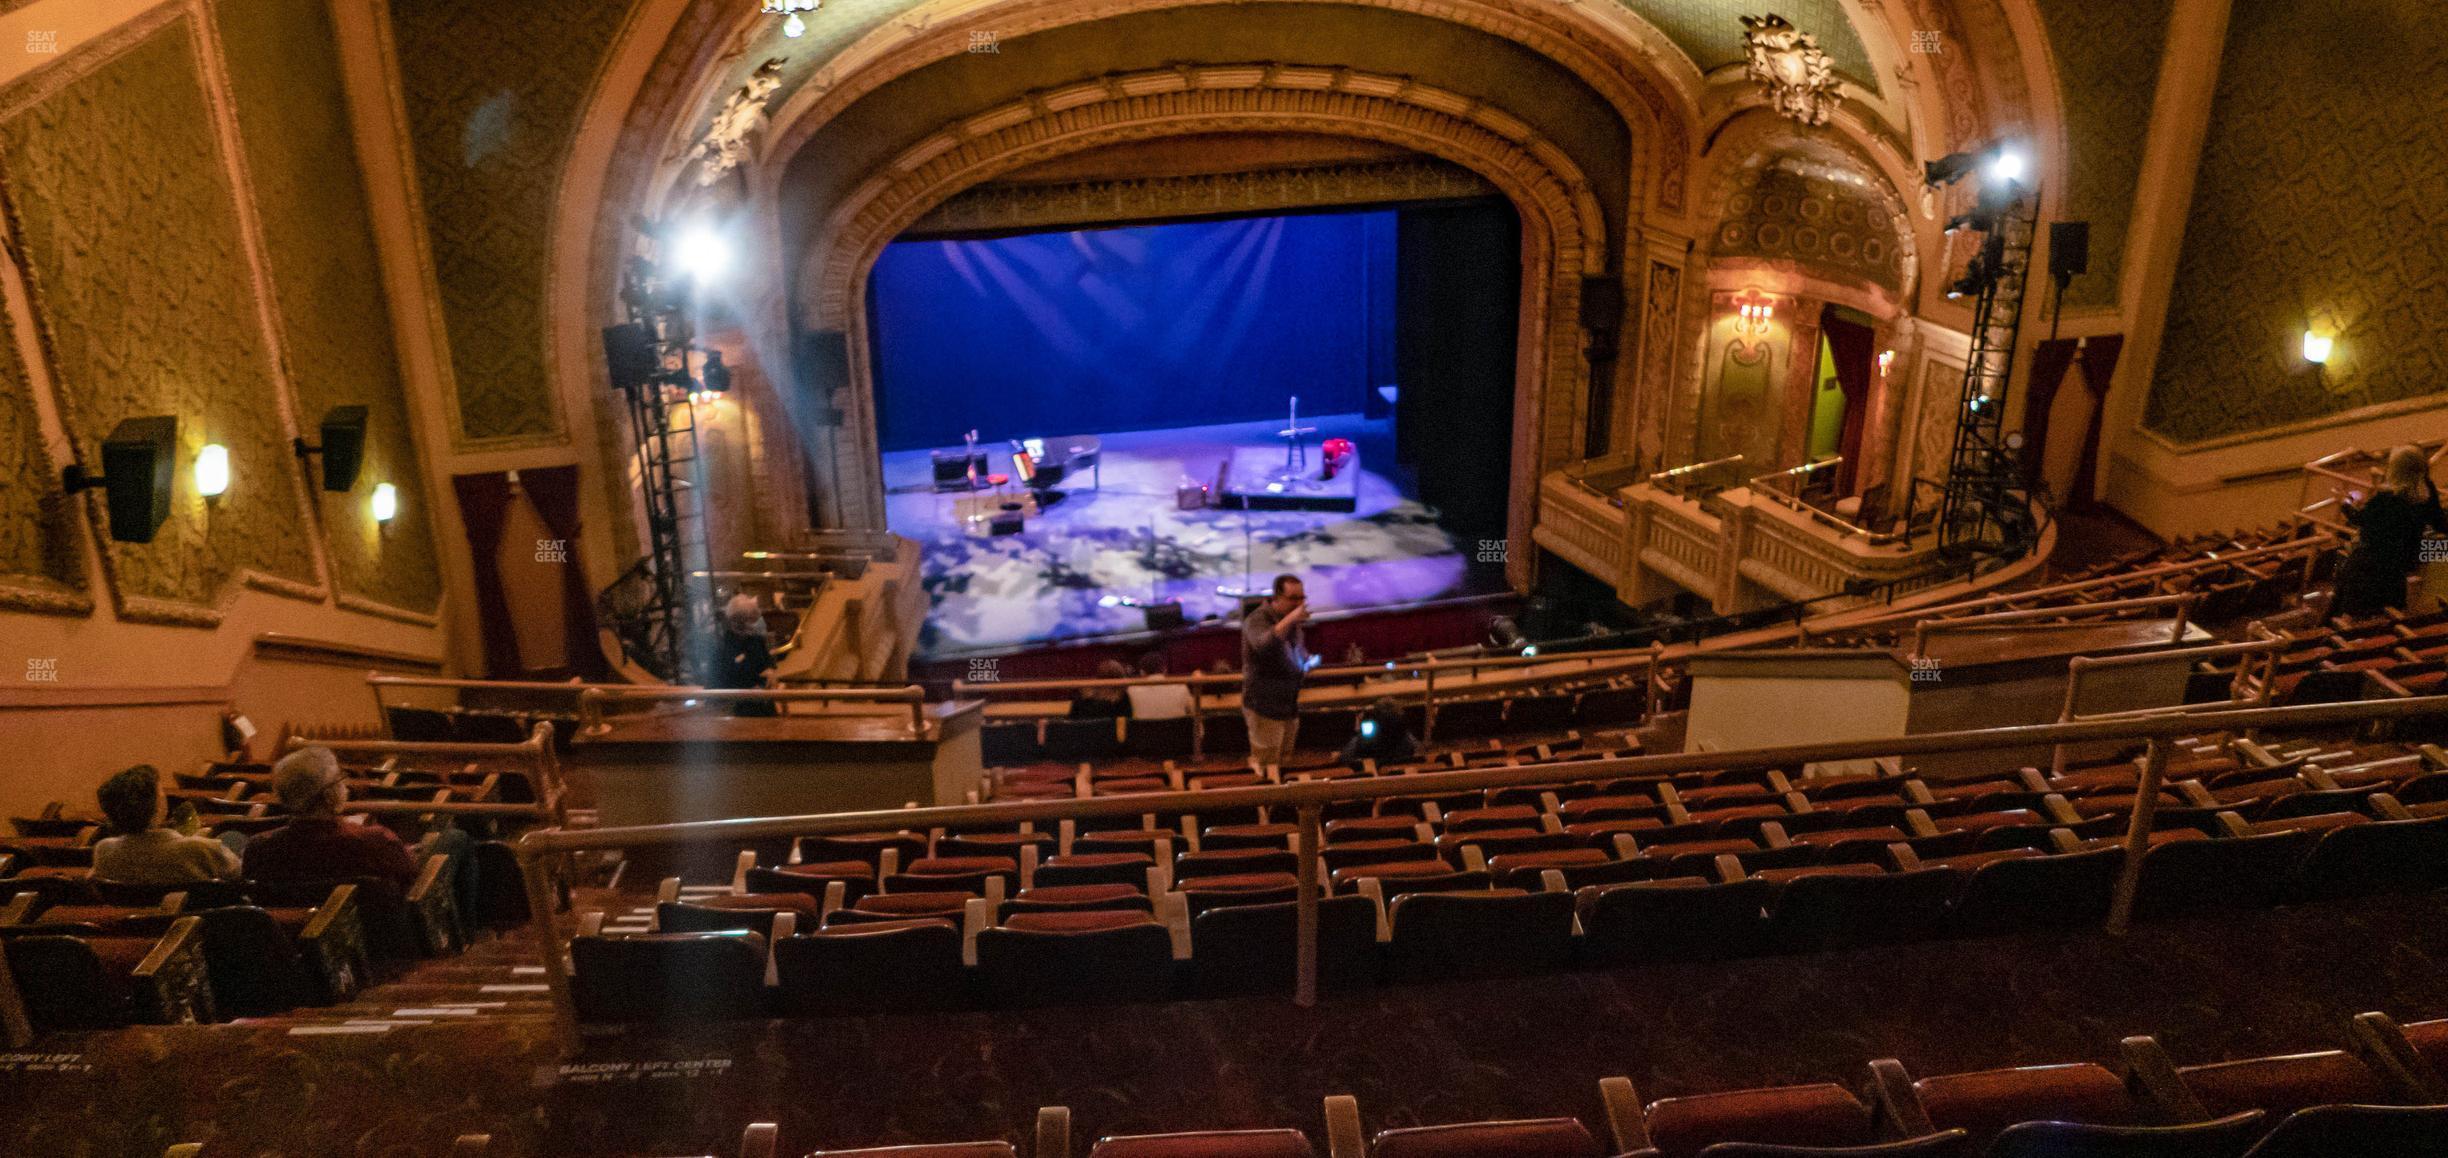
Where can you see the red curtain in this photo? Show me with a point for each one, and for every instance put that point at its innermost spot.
(2049, 364)
(484, 505)
(554, 491)
(1851, 346)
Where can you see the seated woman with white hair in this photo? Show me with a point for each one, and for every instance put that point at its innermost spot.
(746, 658)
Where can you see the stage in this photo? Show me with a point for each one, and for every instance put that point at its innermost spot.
(1056, 579)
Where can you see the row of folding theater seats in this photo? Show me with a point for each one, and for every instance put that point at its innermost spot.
(2395, 653)
(1543, 712)
(1148, 924)
(472, 725)
(98, 965)
(1130, 777)
(2382, 1098)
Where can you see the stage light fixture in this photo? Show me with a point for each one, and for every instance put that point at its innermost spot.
(2006, 167)
(701, 253)
(212, 471)
(1948, 169)
(2317, 347)
(385, 503)
(716, 375)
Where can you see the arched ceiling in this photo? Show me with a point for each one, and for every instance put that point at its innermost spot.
(1709, 34)
(1549, 100)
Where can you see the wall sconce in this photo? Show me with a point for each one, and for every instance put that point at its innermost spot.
(2317, 347)
(1753, 316)
(385, 503)
(212, 471)
(1886, 359)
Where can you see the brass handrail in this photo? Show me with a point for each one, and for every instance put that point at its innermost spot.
(2154, 573)
(2081, 665)
(539, 851)
(537, 749)
(591, 702)
(2183, 602)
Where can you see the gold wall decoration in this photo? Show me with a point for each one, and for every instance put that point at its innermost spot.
(1090, 202)
(1789, 66)
(2318, 201)
(136, 266)
(1835, 220)
(494, 91)
(2107, 72)
(284, 76)
(39, 567)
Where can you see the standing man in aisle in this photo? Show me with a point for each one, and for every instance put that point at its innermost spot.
(1272, 665)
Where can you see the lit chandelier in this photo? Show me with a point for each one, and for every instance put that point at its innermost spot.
(789, 10)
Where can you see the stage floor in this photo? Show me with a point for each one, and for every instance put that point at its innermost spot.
(991, 593)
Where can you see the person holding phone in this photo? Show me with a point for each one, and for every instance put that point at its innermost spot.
(2389, 529)
(1273, 663)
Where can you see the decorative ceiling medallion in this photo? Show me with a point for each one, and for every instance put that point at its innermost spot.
(726, 144)
(1787, 63)
(789, 10)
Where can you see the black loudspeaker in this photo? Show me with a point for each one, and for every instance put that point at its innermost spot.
(2069, 248)
(1602, 309)
(344, 435)
(629, 355)
(1006, 523)
(824, 368)
(137, 460)
(1164, 616)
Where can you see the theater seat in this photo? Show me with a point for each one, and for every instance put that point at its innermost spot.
(1066, 958)
(2188, 876)
(753, 912)
(1989, 1101)
(875, 967)
(1264, 888)
(1947, 1144)
(1531, 1138)
(2284, 1084)
(2361, 1131)
(1676, 919)
(1843, 910)
(668, 977)
(931, 1150)
(1240, 949)
(1207, 1144)
(2048, 1139)
(1825, 1114)
(1473, 935)
(2023, 893)
(2389, 856)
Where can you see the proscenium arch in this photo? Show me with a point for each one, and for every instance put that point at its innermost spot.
(1628, 63)
(1563, 235)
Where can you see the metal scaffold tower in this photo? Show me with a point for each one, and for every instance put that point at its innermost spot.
(656, 607)
(1987, 505)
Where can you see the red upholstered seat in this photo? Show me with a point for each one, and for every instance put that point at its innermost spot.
(2320, 822)
(1551, 858)
(1081, 921)
(2430, 1039)
(1034, 790)
(1721, 793)
(936, 1150)
(1814, 1115)
(1370, 828)
(879, 928)
(1533, 1138)
(1207, 1144)
(2283, 1085)
(843, 869)
(1214, 783)
(1100, 860)
(1991, 1100)
(1885, 832)
(1079, 895)
(1508, 816)
(1984, 821)
(1131, 786)
(914, 904)
(1972, 860)
(1711, 847)
(1223, 836)
(1602, 829)
(1796, 872)
(960, 865)
(1240, 882)
(1401, 869)
(1608, 805)
(1742, 812)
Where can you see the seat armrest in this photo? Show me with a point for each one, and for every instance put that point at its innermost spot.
(1344, 1138)
(1895, 1101)
(2152, 1075)
(1053, 1132)
(171, 980)
(1625, 1122)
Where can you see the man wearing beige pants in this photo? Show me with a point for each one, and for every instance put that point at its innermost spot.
(1273, 662)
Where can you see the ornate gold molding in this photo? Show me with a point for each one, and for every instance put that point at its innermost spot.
(1091, 202)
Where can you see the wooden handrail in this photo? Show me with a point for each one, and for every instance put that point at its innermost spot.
(2182, 601)
(2081, 665)
(540, 851)
(537, 749)
(2155, 572)
(591, 702)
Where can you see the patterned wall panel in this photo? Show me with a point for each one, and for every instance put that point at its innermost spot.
(1835, 220)
(121, 195)
(494, 91)
(39, 569)
(2318, 201)
(284, 75)
(2107, 70)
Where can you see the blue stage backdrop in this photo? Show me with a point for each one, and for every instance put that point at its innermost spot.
(1132, 329)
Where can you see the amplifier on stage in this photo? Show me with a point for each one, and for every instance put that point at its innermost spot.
(953, 468)
(1190, 496)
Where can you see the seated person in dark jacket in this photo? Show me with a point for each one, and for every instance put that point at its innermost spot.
(317, 845)
(1381, 736)
(747, 658)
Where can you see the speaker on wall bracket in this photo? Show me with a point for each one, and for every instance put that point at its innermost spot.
(137, 460)
(343, 446)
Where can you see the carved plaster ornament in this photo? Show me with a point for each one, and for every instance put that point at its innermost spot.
(1799, 79)
(726, 143)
